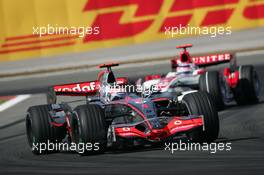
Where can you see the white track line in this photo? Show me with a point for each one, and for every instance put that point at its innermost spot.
(13, 102)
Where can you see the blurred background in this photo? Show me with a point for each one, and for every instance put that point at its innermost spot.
(129, 30)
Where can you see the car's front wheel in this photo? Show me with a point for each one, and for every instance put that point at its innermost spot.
(212, 83)
(200, 103)
(89, 128)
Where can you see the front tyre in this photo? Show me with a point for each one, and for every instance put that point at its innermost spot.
(89, 128)
(200, 103)
(212, 83)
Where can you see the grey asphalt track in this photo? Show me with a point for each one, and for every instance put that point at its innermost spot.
(242, 126)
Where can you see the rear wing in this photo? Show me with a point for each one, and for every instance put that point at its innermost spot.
(209, 60)
(89, 88)
(73, 89)
(108, 66)
(78, 89)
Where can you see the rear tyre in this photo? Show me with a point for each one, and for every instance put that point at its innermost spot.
(200, 103)
(89, 128)
(211, 82)
(248, 87)
(40, 131)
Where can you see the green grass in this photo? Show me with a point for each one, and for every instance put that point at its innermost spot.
(2, 101)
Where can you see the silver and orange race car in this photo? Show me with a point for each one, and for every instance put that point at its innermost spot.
(233, 83)
(112, 117)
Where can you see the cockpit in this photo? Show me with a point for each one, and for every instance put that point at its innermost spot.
(111, 78)
(185, 57)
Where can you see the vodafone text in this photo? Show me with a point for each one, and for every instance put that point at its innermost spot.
(79, 87)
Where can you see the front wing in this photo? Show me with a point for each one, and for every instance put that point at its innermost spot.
(177, 125)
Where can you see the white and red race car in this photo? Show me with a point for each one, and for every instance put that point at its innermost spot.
(239, 83)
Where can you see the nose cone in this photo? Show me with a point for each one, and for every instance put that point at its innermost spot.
(158, 134)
